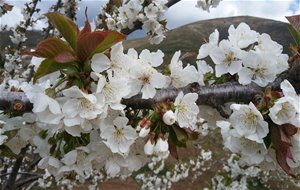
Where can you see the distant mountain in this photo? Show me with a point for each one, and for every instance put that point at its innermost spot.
(33, 38)
(188, 38)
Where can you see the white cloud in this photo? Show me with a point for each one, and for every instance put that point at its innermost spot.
(185, 11)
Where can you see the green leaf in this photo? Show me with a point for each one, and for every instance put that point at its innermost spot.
(180, 133)
(49, 66)
(5, 151)
(294, 34)
(67, 28)
(174, 140)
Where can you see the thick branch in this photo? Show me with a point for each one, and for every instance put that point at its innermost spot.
(207, 95)
(213, 95)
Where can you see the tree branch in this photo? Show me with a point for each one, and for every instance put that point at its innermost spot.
(213, 95)
(10, 183)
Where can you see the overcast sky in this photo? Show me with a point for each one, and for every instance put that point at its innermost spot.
(182, 13)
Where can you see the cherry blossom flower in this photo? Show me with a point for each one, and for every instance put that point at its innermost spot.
(180, 76)
(186, 109)
(286, 109)
(228, 58)
(259, 68)
(80, 105)
(77, 160)
(242, 36)
(209, 47)
(146, 79)
(251, 152)
(41, 101)
(249, 122)
(118, 135)
(118, 61)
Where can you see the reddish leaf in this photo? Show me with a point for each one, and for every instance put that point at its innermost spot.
(50, 48)
(173, 150)
(295, 22)
(64, 57)
(283, 137)
(7, 7)
(96, 42)
(289, 129)
(87, 43)
(87, 26)
(67, 28)
(282, 148)
(49, 66)
(112, 38)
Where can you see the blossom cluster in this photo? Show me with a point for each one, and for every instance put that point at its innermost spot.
(247, 129)
(243, 176)
(207, 4)
(151, 15)
(252, 56)
(79, 130)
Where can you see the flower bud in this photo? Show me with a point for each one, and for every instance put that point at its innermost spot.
(144, 132)
(169, 117)
(161, 146)
(149, 148)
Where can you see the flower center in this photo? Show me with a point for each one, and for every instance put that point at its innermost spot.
(229, 58)
(258, 73)
(251, 119)
(182, 108)
(86, 104)
(145, 79)
(118, 134)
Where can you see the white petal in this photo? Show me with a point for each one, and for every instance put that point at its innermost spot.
(100, 62)
(148, 91)
(54, 107)
(70, 157)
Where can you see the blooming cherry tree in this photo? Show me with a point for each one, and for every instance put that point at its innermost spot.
(94, 110)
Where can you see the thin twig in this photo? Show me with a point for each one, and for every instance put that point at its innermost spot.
(10, 183)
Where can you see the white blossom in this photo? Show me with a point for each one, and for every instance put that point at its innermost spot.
(228, 58)
(118, 135)
(80, 106)
(209, 47)
(249, 122)
(259, 68)
(186, 109)
(242, 36)
(287, 108)
(180, 76)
